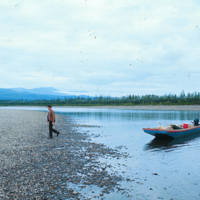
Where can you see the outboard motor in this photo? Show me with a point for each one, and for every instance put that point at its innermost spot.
(196, 122)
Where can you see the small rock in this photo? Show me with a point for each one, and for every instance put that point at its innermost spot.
(75, 193)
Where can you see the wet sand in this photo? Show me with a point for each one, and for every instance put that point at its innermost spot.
(32, 166)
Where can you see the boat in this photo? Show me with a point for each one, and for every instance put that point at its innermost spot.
(172, 133)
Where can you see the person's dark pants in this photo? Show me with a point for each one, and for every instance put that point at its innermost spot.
(51, 130)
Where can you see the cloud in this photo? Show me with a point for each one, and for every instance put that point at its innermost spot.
(100, 46)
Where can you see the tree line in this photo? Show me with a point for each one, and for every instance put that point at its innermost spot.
(170, 99)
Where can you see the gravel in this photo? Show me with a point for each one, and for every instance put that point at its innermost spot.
(69, 166)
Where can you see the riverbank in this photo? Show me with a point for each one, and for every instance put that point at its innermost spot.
(156, 107)
(146, 107)
(69, 166)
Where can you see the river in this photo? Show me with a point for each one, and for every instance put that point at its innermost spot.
(160, 169)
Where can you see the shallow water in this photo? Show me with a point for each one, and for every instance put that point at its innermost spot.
(160, 169)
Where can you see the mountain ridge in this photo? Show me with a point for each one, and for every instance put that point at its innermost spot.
(42, 93)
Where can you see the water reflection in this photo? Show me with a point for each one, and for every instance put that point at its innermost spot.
(136, 115)
(158, 144)
(117, 114)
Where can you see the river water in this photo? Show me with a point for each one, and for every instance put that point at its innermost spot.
(160, 169)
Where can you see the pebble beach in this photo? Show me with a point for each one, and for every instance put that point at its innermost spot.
(69, 166)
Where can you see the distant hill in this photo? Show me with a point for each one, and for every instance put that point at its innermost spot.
(43, 93)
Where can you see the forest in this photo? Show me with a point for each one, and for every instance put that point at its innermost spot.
(130, 100)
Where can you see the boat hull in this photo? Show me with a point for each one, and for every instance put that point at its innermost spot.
(172, 133)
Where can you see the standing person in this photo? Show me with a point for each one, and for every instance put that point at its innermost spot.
(51, 120)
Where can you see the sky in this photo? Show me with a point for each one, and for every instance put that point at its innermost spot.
(101, 47)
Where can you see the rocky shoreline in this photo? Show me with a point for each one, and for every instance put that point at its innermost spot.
(69, 166)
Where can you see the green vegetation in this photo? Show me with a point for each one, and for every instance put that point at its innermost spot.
(182, 99)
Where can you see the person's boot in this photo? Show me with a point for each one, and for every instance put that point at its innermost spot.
(58, 133)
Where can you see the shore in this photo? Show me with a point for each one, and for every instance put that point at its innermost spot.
(149, 107)
(66, 167)
(139, 107)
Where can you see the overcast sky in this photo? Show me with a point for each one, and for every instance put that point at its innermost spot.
(101, 47)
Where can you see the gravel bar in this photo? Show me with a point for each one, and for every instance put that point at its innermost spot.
(69, 166)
